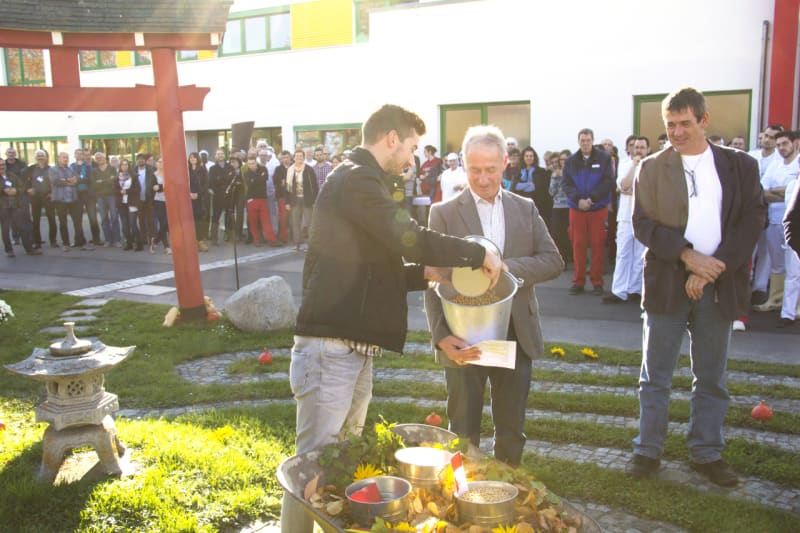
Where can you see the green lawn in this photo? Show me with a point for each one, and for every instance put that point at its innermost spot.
(215, 471)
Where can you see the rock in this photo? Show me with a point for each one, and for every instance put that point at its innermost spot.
(264, 305)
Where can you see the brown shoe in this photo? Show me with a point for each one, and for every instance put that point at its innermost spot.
(201, 245)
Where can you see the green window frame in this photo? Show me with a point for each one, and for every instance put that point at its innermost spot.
(484, 109)
(26, 147)
(724, 124)
(97, 59)
(142, 58)
(22, 75)
(123, 144)
(244, 19)
(361, 9)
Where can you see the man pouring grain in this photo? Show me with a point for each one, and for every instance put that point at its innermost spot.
(365, 253)
(513, 224)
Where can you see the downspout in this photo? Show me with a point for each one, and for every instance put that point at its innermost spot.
(762, 93)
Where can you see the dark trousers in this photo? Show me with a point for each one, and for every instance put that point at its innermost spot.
(130, 226)
(234, 217)
(146, 222)
(18, 221)
(217, 210)
(89, 203)
(559, 230)
(160, 209)
(74, 210)
(509, 393)
(38, 203)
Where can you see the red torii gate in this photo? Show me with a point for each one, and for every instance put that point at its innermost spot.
(166, 97)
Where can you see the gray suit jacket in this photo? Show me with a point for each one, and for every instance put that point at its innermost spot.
(529, 252)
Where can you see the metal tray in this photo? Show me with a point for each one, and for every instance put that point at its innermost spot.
(295, 473)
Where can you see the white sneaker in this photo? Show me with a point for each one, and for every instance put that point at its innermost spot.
(738, 325)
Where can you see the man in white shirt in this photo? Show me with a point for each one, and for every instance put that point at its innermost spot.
(791, 285)
(627, 283)
(769, 257)
(453, 180)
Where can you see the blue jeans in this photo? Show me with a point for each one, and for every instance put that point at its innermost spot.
(709, 335)
(109, 218)
(332, 385)
(509, 392)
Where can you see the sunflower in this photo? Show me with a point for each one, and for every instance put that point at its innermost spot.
(504, 529)
(588, 352)
(557, 350)
(366, 470)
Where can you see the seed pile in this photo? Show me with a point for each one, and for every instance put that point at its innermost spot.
(487, 298)
(487, 494)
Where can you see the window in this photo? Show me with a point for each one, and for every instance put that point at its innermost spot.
(336, 137)
(258, 33)
(513, 119)
(143, 58)
(125, 146)
(729, 111)
(97, 59)
(272, 136)
(362, 9)
(187, 55)
(24, 66)
(26, 148)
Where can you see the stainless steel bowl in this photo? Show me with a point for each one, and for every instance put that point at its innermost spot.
(393, 493)
(486, 243)
(487, 503)
(421, 465)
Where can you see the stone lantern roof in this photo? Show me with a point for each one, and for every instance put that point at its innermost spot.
(114, 16)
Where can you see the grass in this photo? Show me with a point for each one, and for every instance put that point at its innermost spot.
(215, 471)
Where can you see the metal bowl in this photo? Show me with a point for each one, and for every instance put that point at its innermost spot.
(486, 243)
(394, 504)
(416, 434)
(476, 506)
(421, 465)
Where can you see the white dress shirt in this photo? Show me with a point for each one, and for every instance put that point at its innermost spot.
(493, 221)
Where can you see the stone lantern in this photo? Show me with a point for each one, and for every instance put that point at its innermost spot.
(77, 406)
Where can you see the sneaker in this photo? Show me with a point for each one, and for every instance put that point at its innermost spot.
(785, 323)
(717, 473)
(34, 251)
(53, 244)
(597, 290)
(65, 248)
(613, 299)
(167, 251)
(106, 244)
(10, 254)
(576, 289)
(201, 245)
(738, 325)
(88, 247)
(758, 298)
(641, 466)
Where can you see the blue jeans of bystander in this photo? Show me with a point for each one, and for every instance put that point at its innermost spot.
(709, 335)
(109, 218)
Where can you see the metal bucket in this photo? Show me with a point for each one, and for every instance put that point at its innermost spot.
(393, 493)
(476, 323)
(499, 512)
(421, 465)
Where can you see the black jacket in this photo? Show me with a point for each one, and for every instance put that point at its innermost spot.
(791, 223)
(355, 278)
(310, 187)
(256, 182)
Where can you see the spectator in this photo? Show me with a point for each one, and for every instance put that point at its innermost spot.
(282, 195)
(662, 141)
(559, 220)
(322, 168)
(453, 180)
(15, 211)
(429, 174)
(217, 184)
(103, 178)
(791, 285)
(588, 184)
(738, 143)
(791, 222)
(301, 183)
(160, 209)
(534, 183)
(256, 178)
(234, 194)
(39, 178)
(82, 169)
(127, 191)
(198, 191)
(63, 184)
(512, 169)
(695, 278)
(144, 174)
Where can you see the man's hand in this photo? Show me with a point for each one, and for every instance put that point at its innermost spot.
(438, 274)
(72, 181)
(457, 351)
(193, 195)
(492, 267)
(694, 286)
(584, 204)
(705, 266)
(10, 191)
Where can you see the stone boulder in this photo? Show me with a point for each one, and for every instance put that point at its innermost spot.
(264, 305)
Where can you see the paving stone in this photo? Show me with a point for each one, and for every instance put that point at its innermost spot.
(93, 302)
(79, 312)
(78, 318)
(60, 329)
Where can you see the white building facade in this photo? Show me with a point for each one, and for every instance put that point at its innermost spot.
(541, 70)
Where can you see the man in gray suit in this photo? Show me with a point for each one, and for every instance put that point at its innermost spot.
(514, 225)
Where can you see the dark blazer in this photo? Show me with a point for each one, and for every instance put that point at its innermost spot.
(133, 192)
(529, 252)
(660, 215)
(791, 223)
(540, 195)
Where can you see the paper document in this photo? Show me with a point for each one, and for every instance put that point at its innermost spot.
(497, 353)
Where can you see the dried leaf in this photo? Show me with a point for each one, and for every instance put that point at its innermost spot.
(334, 508)
(417, 505)
(524, 527)
(433, 509)
(311, 488)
